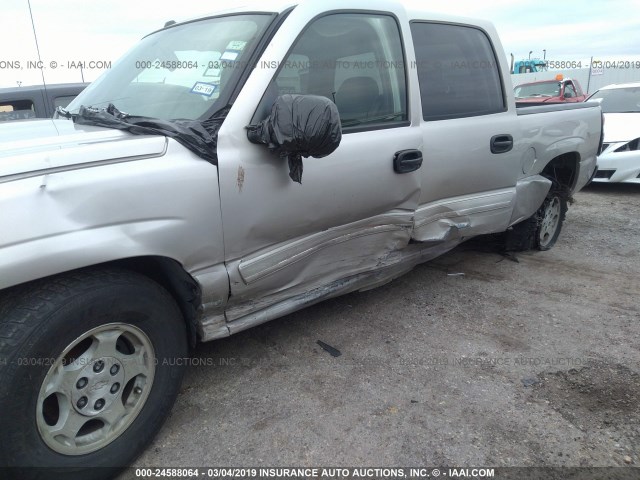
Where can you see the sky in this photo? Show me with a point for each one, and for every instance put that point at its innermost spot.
(101, 31)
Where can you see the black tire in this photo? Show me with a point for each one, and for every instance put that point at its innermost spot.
(38, 322)
(542, 229)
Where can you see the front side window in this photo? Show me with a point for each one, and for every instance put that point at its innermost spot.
(179, 72)
(356, 60)
(457, 70)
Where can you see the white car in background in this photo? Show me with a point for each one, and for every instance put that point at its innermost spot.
(620, 157)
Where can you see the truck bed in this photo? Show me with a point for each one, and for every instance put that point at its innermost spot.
(530, 108)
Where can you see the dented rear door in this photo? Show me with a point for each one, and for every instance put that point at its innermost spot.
(471, 148)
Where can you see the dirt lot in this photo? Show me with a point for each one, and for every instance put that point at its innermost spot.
(528, 363)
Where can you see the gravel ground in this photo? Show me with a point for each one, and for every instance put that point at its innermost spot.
(527, 363)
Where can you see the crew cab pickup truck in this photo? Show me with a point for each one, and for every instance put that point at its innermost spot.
(179, 199)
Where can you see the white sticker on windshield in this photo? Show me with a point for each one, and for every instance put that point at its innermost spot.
(229, 55)
(236, 45)
(205, 89)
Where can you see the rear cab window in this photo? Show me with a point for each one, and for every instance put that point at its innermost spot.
(458, 71)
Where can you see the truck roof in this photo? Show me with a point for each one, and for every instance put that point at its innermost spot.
(279, 6)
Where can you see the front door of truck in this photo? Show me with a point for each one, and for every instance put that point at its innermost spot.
(352, 209)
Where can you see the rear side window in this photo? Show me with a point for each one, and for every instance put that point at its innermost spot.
(356, 60)
(457, 70)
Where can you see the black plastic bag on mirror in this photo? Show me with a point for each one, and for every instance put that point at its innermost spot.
(299, 126)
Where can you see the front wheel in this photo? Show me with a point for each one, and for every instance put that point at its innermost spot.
(91, 365)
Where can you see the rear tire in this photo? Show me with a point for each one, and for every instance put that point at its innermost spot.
(90, 366)
(542, 229)
(552, 215)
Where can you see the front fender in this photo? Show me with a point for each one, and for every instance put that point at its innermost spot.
(58, 221)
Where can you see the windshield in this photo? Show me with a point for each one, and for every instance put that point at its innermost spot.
(543, 89)
(179, 72)
(619, 100)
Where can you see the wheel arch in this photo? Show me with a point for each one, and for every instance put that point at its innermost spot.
(167, 272)
(563, 170)
(170, 274)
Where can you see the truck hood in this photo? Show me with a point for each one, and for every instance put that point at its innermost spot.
(52, 145)
(621, 127)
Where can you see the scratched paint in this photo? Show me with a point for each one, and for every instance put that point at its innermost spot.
(240, 179)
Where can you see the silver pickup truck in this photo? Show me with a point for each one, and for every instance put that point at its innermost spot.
(235, 168)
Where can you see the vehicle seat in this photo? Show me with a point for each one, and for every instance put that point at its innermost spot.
(358, 98)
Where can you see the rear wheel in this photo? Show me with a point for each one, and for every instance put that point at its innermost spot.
(551, 216)
(542, 229)
(91, 365)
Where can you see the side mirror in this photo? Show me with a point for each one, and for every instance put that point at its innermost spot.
(299, 126)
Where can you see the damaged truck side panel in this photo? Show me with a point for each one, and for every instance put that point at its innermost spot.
(142, 240)
(101, 196)
(365, 215)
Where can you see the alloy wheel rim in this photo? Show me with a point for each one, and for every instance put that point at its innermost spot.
(95, 389)
(550, 221)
